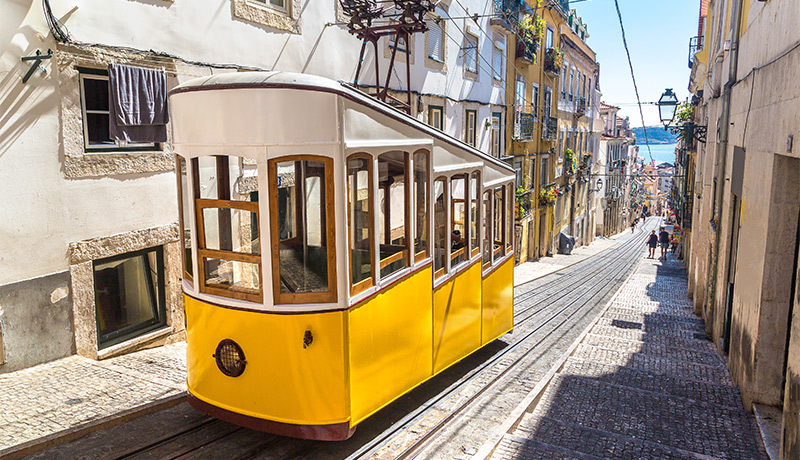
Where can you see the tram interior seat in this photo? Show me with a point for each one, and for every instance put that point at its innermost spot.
(298, 275)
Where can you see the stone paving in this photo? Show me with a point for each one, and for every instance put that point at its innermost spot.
(74, 392)
(644, 383)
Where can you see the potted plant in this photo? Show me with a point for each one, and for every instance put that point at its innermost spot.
(553, 59)
(531, 28)
(571, 161)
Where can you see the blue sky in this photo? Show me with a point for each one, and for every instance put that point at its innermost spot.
(658, 33)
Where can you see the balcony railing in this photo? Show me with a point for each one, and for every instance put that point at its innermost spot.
(526, 50)
(524, 204)
(552, 62)
(550, 128)
(580, 107)
(505, 14)
(523, 126)
(695, 45)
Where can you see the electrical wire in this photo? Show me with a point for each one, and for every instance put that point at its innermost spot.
(633, 77)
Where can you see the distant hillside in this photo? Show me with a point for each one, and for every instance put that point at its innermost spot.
(655, 135)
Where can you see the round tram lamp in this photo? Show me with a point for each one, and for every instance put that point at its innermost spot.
(599, 184)
(666, 107)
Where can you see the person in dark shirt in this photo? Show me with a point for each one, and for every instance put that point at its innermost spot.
(663, 239)
(458, 241)
(652, 242)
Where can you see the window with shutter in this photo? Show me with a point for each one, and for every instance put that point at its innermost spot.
(471, 53)
(435, 41)
(497, 64)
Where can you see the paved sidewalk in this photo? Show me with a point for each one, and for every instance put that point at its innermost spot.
(64, 399)
(644, 383)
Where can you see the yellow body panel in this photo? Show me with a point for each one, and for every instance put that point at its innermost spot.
(282, 381)
(498, 302)
(457, 318)
(390, 338)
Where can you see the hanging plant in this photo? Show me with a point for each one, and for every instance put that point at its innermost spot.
(571, 161)
(554, 58)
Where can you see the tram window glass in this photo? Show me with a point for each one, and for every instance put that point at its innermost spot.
(458, 220)
(421, 203)
(439, 228)
(487, 228)
(228, 229)
(359, 193)
(185, 218)
(130, 296)
(392, 232)
(242, 179)
(473, 218)
(509, 215)
(229, 251)
(499, 223)
(302, 225)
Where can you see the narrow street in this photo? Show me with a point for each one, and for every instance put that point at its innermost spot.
(448, 417)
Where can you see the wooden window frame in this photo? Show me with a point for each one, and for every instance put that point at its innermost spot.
(363, 285)
(408, 251)
(434, 109)
(477, 177)
(452, 206)
(223, 201)
(489, 226)
(442, 272)
(422, 255)
(471, 129)
(280, 298)
(508, 213)
(497, 253)
(182, 224)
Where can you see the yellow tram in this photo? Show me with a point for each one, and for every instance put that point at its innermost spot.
(338, 252)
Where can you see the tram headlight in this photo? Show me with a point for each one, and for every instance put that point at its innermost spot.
(230, 358)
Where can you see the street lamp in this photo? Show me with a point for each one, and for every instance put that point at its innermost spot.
(666, 107)
(599, 186)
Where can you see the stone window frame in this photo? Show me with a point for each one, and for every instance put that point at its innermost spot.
(497, 50)
(80, 163)
(82, 255)
(262, 13)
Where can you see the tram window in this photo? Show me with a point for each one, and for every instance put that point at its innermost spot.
(499, 223)
(228, 229)
(301, 210)
(509, 216)
(487, 228)
(473, 218)
(421, 202)
(229, 251)
(185, 218)
(439, 228)
(226, 277)
(458, 220)
(359, 192)
(392, 200)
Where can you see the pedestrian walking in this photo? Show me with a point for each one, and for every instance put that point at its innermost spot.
(633, 226)
(652, 242)
(663, 239)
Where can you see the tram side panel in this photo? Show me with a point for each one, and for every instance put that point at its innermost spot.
(390, 344)
(497, 295)
(457, 317)
(283, 381)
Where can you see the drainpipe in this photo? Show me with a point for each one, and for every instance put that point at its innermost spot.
(724, 130)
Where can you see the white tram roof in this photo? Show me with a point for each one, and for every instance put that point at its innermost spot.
(202, 121)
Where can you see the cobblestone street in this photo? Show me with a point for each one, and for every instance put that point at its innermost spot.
(645, 383)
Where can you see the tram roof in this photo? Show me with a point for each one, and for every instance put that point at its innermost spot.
(292, 80)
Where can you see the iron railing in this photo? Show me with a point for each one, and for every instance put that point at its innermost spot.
(549, 128)
(526, 50)
(695, 45)
(505, 14)
(581, 105)
(523, 126)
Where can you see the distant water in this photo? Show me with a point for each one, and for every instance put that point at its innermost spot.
(661, 153)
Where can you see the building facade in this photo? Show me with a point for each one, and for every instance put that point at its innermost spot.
(743, 257)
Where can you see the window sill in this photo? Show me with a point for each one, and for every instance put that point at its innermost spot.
(134, 343)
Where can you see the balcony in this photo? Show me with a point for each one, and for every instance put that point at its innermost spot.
(695, 45)
(526, 51)
(553, 59)
(523, 126)
(505, 15)
(524, 204)
(580, 106)
(550, 128)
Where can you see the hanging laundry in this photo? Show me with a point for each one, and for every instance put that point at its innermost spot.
(137, 104)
